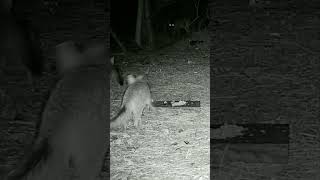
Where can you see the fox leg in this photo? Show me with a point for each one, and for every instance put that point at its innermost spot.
(137, 118)
(124, 126)
(150, 105)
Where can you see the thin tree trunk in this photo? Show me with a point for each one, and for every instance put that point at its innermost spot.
(150, 35)
(124, 50)
(139, 23)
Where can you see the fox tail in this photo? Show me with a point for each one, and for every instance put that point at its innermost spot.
(120, 119)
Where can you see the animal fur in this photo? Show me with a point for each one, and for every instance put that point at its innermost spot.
(136, 97)
(71, 141)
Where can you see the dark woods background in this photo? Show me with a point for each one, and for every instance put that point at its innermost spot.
(162, 13)
(265, 74)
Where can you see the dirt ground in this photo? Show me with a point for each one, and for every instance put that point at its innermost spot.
(265, 68)
(173, 143)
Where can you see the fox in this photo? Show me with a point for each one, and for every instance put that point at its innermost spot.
(136, 97)
(71, 139)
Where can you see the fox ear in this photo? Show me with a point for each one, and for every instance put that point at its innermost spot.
(112, 60)
(140, 77)
(131, 79)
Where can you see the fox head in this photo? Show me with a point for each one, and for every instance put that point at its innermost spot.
(132, 79)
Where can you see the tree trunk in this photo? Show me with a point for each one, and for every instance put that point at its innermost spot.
(150, 35)
(124, 50)
(139, 23)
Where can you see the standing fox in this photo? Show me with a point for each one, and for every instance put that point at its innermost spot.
(71, 141)
(136, 97)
